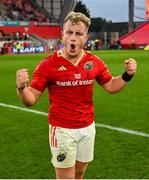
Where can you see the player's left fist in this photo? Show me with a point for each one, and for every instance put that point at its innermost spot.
(130, 66)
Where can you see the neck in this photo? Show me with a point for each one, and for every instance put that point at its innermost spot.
(73, 59)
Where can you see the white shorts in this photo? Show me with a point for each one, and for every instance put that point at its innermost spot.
(71, 145)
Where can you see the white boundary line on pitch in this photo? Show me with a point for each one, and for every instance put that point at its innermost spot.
(97, 124)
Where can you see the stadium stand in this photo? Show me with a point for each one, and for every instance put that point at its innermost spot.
(23, 10)
(137, 39)
(57, 8)
(114, 32)
(39, 20)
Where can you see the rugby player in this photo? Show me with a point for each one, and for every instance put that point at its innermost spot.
(69, 75)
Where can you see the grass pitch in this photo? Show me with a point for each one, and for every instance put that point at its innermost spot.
(24, 147)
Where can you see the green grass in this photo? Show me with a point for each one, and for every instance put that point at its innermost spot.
(24, 147)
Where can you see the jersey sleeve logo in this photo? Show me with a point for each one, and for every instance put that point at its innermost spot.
(88, 65)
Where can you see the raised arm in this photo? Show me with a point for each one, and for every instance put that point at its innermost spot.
(116, 84)
(28, 95)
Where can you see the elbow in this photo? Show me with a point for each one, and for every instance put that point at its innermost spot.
(29, 103)
(112, 91)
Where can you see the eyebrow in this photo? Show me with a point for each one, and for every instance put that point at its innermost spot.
(76, 32)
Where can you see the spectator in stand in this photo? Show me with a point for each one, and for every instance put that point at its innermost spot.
(17, 36)
(2, 35)
(26, 45)
(19, 5)
(99, 43)
(18, 47)
(96, 44)
(8, 36)
(25, 36)
(13, 35)
(4, 49)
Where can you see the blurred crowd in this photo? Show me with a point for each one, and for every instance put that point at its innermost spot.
(20, 10)
(14, 36)
(14, 39)
(98, 44)
(18, 45)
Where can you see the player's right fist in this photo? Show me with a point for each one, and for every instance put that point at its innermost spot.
(22, 77)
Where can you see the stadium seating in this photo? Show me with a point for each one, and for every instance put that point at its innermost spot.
(22, 10)
(41, 23)
(33, 18)
(136, 39)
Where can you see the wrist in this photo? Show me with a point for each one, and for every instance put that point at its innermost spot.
(126, 77)
(20, 88)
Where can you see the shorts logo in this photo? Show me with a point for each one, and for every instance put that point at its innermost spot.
(88, 65)
(61, 157)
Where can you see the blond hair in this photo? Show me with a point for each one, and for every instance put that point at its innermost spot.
(76, 17)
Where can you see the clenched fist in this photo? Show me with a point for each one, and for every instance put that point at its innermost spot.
(130, 66)
(22, 77)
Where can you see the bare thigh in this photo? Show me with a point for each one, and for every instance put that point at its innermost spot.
(80, 168)
(65, 173)
(75, 172)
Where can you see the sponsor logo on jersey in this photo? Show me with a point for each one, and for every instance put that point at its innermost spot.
(77, 82)
(88, 65)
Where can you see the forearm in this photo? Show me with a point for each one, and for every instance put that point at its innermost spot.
(116, 84)
(27, 96)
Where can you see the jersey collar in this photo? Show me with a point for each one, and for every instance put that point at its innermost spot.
(61, 54)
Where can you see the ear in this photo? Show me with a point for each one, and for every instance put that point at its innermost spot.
(86, 37)
(62, 34)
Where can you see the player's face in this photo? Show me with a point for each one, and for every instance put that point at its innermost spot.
(74, 37)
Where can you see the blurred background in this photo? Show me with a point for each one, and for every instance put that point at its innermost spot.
(34, 26)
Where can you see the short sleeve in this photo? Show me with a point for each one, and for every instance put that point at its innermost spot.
(104, 76)
(39, 81)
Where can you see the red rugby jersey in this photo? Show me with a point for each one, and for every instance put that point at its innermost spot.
(70, 88)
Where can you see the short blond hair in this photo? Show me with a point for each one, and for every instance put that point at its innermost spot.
(76, 17)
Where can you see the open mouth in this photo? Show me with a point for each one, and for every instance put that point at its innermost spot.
(72, 47)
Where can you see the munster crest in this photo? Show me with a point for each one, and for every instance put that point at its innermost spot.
(88, 65)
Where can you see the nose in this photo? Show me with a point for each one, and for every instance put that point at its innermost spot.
(73, 37)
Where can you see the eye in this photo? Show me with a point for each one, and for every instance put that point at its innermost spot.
(79, 34)
(69, 32)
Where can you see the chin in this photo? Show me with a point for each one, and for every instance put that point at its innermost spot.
(74, 54)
